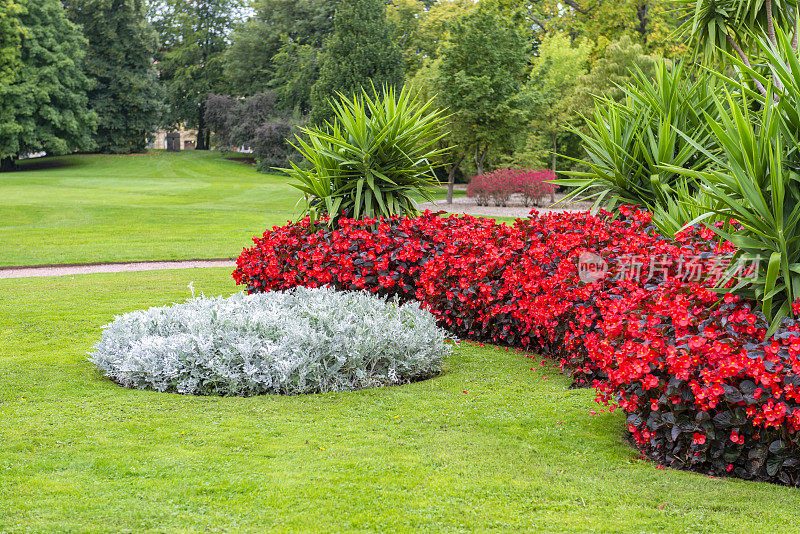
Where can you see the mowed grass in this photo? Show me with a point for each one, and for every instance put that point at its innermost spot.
(497, 443)
(154, 206)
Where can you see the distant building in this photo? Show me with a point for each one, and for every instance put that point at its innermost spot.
(158, 140)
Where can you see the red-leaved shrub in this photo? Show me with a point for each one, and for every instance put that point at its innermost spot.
(702, 388)
(499, 185)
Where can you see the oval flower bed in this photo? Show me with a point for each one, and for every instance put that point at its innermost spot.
(702, 387)
(299, 341)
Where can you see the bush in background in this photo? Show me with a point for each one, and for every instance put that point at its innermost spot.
(499, 185)
(300, 341)
(255, 123)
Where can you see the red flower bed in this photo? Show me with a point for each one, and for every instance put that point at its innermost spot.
(502, 183)
(623, 309)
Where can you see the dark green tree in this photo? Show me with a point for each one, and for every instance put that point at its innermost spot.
(43, 101)
(282, 34)
(10, 41)
(296, 72)
(194, 36)
(360, 51)
(127, 95)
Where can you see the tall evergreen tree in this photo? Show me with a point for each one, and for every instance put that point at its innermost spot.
(127, 96)
(45, 105)
(194, 37)
(10, 50)
(360, 50)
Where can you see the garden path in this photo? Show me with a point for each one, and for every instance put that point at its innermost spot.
(68, 270)
(514, 209)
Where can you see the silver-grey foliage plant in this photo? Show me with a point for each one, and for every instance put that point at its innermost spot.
(300, 341)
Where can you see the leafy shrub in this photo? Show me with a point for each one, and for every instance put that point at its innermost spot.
(300, 341)
(253, 122)
(480, 188)
(535, 185)
(499, 185)
(372, 160)
(703, 386)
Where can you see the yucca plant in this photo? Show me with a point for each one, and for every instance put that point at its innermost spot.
(630, 144)
(732, 29)
(783, 59)
(687, 204)
(753, 185)
(375, 157)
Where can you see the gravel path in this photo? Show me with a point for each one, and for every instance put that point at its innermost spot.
(67, 270)
(515, 209)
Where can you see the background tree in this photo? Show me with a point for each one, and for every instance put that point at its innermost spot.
(360, 50)
(424, 83)
(255, 122)
(194, 37)
(433, 34)
(126, 96)
(421, 27)
(281, 35)
(296, 72)
(10, 40)
(551, 83)
(406, 17)
(480, 80)
(650, 23)
(45, 105)
(609, 74)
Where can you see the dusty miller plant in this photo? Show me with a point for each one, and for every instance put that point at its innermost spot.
(300, 341)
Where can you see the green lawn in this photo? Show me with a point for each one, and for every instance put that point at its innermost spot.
(490, 445)
(155, 206)
(158, 206)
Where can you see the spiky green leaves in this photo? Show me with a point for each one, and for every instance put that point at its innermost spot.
(373, 159)
(629, 144)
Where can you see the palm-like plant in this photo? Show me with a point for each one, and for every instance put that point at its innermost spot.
(753, 184)
(373, 159)
(724, 29)
(632, 145)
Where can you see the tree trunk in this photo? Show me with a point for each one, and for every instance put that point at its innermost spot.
(451, 178)
(202, 138)
(480, 158)
(746, 61)
(641, 12)
(7, 165)
(555, 159)
(771, 33)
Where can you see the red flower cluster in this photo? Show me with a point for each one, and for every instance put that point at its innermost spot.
(702, 388)
(502, 183)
